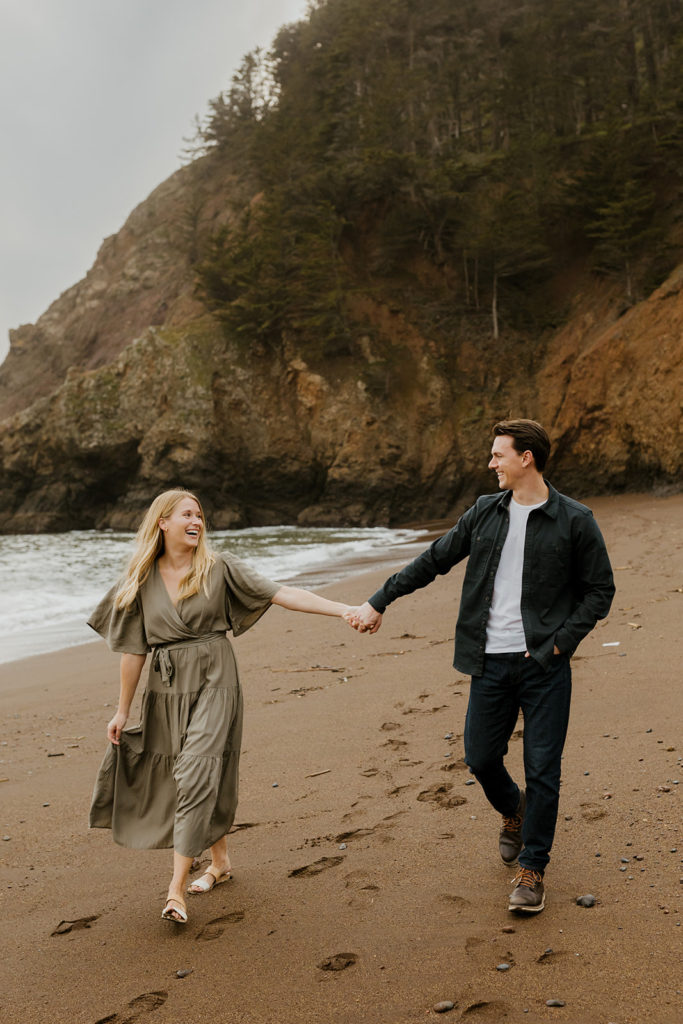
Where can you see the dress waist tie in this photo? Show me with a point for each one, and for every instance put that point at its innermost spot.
(161, 657)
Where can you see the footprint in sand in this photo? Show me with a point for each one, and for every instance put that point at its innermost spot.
(362, 833)
(145, 1003)
(452, 766)
(64, 927)
(338, 962)
(390, 726)
(397, 789)
(591, 812)
(308, 870)
(424, 711)
(354, 833)
(551, 954)
(363, 890)
(394, 744)
(457, 902)
(214, 929)
(440, 794)
(494, 1011)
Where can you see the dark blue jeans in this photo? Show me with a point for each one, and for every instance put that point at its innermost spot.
(511, 682)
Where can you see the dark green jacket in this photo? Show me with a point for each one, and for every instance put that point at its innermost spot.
(567, 582)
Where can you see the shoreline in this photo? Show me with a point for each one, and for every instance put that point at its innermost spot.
(21, 645)
(367, 884)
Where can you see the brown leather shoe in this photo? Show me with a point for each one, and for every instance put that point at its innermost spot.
(528, 896)
(510, 839)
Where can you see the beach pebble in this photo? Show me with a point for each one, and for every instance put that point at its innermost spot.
(470, 782)
(503, 967)
(509, 929)
(448, 736)
(184, 972)
(342, 846)
(624, 860)
(554, 1002)
(46, 805)
(443, 1006)
(586, 901)
(6, 839)
(275, 785)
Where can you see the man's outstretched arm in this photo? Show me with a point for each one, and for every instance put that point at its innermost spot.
(438, 559)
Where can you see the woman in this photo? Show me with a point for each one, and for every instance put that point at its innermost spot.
(173, 780)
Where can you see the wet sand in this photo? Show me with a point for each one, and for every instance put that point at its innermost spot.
(367, 882)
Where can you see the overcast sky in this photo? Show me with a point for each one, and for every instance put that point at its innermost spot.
(96, 97)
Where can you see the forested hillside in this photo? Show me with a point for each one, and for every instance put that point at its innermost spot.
(465, 151)
(406, 220)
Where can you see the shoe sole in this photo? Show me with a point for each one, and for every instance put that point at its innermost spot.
(526, 910)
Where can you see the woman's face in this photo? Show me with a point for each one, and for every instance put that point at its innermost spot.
(183, 527)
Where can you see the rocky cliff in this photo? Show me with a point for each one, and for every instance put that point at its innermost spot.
(128, 385)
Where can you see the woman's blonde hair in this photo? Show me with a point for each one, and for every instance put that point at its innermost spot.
(149, 544)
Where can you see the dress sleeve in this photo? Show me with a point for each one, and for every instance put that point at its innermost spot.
(122, 628)
(248, 594)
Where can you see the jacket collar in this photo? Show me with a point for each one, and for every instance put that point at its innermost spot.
(550, 508)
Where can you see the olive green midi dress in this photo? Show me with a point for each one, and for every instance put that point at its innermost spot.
(173, 780)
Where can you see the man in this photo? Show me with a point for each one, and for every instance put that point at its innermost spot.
(537, 581)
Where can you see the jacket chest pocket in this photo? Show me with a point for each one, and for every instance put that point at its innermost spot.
(554, 559)
(480, 554)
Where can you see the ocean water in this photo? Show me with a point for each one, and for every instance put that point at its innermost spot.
(51, 582)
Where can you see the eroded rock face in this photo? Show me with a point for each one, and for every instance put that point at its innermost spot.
(142, 277)
(263, 439)
(612, 395)
(127, 386)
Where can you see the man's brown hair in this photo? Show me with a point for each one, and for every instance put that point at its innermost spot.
(527, 436)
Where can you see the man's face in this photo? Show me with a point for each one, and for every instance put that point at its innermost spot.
(509, 465)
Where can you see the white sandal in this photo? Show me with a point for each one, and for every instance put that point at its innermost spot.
(201, 886)
(179, 909)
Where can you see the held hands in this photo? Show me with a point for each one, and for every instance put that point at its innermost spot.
(364, 619)
(115, 727)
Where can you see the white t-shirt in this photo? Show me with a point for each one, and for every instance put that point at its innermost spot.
(504, 628)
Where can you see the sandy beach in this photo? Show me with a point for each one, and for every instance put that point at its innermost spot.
(367, 880)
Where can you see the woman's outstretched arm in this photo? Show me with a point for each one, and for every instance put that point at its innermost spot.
(298, 600)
